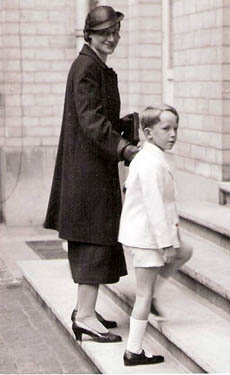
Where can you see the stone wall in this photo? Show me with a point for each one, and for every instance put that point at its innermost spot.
(137, 59)
(2, 112)
(145, 54)
(226, 93)
(200, 57)
(38, 47)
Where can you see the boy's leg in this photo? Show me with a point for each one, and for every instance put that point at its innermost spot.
(145, 283)
(183, 254)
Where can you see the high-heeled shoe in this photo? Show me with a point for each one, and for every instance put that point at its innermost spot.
(97, 336)
(106, 323)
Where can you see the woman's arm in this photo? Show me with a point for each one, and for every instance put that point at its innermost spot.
(92, 118)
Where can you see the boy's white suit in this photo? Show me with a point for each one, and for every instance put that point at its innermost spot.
(149, 217)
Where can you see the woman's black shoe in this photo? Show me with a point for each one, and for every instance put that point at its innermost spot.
(97, 336)
(106, 323)
(133, 359)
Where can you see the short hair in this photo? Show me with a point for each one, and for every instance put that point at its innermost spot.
(152, 115)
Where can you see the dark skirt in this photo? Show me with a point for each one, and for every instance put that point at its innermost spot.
(96, 264)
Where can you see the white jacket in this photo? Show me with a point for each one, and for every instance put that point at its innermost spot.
(149, 216)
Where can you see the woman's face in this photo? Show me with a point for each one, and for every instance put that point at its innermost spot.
(104, 42)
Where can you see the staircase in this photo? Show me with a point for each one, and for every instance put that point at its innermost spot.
(195, 337)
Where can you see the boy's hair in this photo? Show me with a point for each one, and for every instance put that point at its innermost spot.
(152, 115)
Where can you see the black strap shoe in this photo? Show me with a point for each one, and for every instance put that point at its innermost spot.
(106, 323)
(133, 359)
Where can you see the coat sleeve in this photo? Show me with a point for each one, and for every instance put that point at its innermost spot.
(92, 119)
(152, 185)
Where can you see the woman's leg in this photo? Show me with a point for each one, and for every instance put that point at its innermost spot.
(87, 298)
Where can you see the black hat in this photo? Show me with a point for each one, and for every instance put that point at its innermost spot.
(102, 17)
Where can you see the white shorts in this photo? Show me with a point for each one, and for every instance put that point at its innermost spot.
(146, 257)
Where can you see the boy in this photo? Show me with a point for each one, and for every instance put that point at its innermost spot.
(149, 225)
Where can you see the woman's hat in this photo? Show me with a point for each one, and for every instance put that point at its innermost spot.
(102, 17)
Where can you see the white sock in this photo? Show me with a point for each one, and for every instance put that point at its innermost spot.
(136, 335)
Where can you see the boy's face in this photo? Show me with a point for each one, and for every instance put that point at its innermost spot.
(164, 133)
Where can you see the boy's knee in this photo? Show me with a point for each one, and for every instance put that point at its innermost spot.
(186, 251)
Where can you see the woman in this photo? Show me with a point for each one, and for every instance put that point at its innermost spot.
(85, 201)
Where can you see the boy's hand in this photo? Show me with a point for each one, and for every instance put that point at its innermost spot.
(169, 254)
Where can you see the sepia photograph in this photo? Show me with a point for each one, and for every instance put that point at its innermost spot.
(114, 186)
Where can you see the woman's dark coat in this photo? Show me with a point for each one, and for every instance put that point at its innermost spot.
(85, 200)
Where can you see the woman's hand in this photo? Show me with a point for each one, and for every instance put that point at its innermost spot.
(129, 152)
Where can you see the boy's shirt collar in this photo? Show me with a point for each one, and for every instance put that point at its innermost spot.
(153, 148)
(157, 152)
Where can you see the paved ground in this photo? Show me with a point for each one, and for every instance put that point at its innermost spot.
(31, 341)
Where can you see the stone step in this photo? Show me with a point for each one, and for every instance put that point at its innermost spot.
(208, 220)
(207, 272)
(51, 282)
(224, 193)
(194, 333)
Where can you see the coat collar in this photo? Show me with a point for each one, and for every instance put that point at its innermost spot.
(87, 51)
